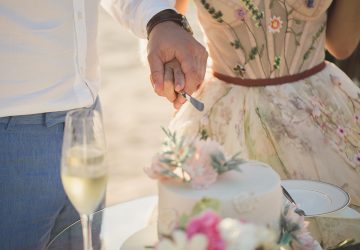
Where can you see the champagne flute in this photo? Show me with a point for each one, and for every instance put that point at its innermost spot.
(83, 169)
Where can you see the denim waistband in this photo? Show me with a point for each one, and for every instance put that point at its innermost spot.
(47, 119)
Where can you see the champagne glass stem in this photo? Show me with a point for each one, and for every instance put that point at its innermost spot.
(86, 230)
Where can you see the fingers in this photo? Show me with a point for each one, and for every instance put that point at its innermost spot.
(179, 77)
(178, 81)
(169, 91)
(169, 41)
(194, 66)
(156, 73)
(179, 101)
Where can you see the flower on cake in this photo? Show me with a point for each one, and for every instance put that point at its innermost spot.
(180, 241)
(294, 230)
(205, 229)
(199, 165)
(207, 224)
(157, 169)
(197, 161)
(275, 24)
(240, 235)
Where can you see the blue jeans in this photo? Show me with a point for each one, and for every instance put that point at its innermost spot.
(33, 205)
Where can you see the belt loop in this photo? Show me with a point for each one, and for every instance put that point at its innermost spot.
(48, 121)
(11, 123)
(53, 118)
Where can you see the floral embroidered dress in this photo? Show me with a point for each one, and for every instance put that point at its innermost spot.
(307, 129)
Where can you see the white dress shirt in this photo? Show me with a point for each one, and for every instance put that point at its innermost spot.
(48, 50)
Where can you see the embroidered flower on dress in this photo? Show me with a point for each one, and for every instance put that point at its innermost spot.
(310, 3)
(276, 62)
(357, 159)
(341, 131)
(335, 80)
(239, 70)
(240, 14)
(316, 112)
(357, 117)
(275, 24)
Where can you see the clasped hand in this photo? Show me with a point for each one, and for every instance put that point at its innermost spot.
(177, 62)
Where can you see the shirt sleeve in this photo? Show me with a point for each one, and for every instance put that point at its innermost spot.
(135, 14)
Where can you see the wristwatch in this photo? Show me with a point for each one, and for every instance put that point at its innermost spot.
(168, 15)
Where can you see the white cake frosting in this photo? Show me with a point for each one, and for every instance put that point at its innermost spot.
(252, 194)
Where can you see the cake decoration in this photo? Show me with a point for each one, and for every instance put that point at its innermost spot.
(245, 202)
(196, 161)
(205, 229)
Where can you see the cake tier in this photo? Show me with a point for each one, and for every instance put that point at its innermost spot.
(252, 194)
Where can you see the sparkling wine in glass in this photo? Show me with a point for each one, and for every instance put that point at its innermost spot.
(83, 168)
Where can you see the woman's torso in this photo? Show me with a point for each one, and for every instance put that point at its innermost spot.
(264, 38)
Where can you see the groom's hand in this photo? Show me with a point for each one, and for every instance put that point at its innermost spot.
(174, 81)
(168, 41)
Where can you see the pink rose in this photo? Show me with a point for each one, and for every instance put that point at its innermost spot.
(207, 224)
(200, 166)
(158, 169)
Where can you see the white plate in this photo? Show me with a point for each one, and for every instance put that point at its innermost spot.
(315, 197)
(141, 239)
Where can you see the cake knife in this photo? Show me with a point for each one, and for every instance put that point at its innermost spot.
(196, 103)
(299, 211)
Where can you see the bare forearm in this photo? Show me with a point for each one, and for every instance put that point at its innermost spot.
(343, 31)
(181, 6)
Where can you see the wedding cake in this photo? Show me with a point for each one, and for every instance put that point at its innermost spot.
(208, 200)
(251, 194)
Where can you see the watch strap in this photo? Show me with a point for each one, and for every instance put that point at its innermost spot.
(168, 15)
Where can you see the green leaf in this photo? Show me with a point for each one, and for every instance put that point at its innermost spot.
(206, 204)
(184, 219)
(285, 239)
(203, 134)
(297, 21)
(211, 10)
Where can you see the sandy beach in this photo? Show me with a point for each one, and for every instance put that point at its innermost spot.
(133, 113)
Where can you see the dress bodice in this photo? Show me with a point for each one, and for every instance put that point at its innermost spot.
(264, 38)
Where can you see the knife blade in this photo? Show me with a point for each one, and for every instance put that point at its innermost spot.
(196, 103)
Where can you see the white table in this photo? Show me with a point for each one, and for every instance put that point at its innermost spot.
(111, 226)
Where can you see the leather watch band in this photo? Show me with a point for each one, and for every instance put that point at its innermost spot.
(168, 15)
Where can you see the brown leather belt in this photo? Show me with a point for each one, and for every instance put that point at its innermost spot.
(270, 81)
